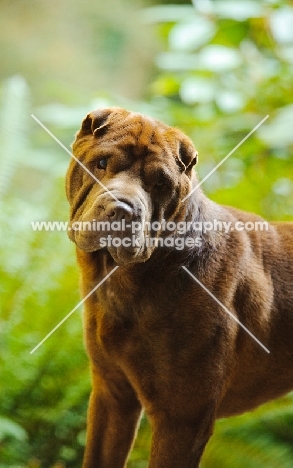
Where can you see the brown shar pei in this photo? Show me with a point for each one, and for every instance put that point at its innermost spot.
(156, 338)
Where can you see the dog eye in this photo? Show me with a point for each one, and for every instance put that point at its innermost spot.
(160, 183)
(102, 163)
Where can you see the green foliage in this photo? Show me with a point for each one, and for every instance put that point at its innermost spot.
(44, 399)
(67, 50)
(225, 66)
(254, 440)
(222, 67)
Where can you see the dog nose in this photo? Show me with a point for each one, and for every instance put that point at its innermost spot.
(116, 211)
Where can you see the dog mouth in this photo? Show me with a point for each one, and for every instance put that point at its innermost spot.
(126, 256)
(114, 225)
(124, 248)
(126, 242)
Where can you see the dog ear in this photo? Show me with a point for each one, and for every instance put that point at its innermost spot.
(187, 155)
(100, 119)
(96, 122)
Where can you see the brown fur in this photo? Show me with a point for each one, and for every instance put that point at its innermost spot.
(156, 340)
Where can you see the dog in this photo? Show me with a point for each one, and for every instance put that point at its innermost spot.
(189, 332)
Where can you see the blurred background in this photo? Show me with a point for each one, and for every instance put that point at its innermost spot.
(213, 68)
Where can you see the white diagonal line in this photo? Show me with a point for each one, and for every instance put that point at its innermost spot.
(74, 309)
(74, 157)
(226, 310)
(225, 158)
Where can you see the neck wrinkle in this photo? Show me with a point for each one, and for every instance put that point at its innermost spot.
(201, 210)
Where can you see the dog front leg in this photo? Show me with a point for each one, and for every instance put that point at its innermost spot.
(112, 419)
(179, 443)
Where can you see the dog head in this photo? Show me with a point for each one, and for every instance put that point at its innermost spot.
(128, 171)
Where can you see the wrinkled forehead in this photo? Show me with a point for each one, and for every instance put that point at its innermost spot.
(137, 135)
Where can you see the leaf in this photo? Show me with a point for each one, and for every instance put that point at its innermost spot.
(219, 58)
(281, 23)
(13, 127)
(196, 89)
(215, 58)
(191, 34)
(9, 428)
(239, 11)
(278, 131)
